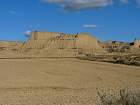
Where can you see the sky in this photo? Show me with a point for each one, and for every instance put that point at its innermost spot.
(104, 19)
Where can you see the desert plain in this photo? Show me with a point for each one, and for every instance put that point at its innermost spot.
(60, 81)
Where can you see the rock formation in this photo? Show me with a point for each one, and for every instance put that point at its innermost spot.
(50, 44)
(9, 48)
(53, 44)
(137, 44)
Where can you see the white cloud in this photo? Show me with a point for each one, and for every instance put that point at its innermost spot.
(27, 33)
(89, 26)
(85, 4)
(54, 1)
(80, 4)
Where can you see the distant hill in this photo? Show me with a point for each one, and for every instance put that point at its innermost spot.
(55, 44)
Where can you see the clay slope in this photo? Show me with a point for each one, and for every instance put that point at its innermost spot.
(9, 48)
(136, 47)
(50, 44)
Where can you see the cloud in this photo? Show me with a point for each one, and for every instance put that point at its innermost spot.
(124, 1)
(54, 1)
(74, 5)
(12, 12)
(89, 26)
(138, 2)
(80, 4)
(27, 33)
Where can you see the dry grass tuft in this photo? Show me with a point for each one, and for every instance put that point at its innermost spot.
(119, 97)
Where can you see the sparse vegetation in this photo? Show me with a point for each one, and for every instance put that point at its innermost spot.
(130, 59)
(127, 59)
(124, 96)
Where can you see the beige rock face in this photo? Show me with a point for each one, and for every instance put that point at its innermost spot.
(10, 45)
(137, 44)
(88, 44)
(9, 48)
(60, 45)
(136, 47)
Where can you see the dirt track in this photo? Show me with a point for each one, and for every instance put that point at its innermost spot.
(60, 81)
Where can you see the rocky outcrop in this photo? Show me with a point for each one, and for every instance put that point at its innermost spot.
(10, 45)
(135, 46)
(50, 44)
(9, 48)
(53, 44)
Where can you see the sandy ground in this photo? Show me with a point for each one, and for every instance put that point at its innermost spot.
(60, 81)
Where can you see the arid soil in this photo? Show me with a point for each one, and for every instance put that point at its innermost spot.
(66, 81)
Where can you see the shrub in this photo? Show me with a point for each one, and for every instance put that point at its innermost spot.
(119, 97)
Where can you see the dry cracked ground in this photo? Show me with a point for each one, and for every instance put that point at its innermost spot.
(60, 81)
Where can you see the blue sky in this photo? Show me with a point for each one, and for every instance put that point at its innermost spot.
(104, 19)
